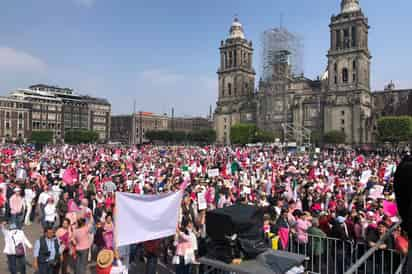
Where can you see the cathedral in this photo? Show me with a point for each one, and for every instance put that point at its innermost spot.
(295, 107)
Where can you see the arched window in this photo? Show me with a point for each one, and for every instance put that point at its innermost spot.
(345, 75)
(335, 70)
(229, 89)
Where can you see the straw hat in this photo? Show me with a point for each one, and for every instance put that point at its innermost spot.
(105, 258)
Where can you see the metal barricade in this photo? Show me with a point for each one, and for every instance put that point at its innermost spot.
(331, 255)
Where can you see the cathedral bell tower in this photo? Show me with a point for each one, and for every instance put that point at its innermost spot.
(236, 82)
(348, 98)
(236, 74)
(348, 56)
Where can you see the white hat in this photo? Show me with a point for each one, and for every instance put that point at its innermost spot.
(17, 189)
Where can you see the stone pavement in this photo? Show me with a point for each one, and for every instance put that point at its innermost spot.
(33, 233)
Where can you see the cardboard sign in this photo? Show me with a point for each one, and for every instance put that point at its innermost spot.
(201, 200)
(213, 172)
(365, 176)
(376, 192)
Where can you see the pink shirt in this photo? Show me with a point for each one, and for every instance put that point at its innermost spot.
(301, 230)
(16, 204)
(82, 238)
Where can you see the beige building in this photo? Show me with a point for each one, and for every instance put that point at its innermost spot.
(60, 109)
(14, 120)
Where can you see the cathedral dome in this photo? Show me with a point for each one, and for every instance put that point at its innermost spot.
(350, 6)
(236, 30)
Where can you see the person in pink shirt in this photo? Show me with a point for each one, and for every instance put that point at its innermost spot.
(301, 227)
(17, 208)
(82, 241)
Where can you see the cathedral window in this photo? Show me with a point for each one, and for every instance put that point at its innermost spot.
(354, 70)
(338, 40)
(354, 37)
(234, 58)
(346, 38)
(226, 64)
(230, 59)
(345, 75)
(229, 89)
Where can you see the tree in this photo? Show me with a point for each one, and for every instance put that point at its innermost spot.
(262, 136)
(81, 136)
(395, 129)
(334, 137)
(42, 137)
(315, 137)
(242, 134)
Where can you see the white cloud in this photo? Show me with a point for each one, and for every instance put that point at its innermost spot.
(20, 61)
(85, 3)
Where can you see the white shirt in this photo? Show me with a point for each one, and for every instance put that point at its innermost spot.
(50, 213)
(43, 197)
(29, 195)
(12, 238)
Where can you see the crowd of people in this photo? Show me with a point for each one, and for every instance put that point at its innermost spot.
(70, 191)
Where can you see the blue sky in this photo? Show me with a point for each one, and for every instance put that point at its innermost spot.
(165, 53)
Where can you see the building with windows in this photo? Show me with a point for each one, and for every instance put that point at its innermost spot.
(51, 108)
(14, 119)
(295, 106)
(131, 129)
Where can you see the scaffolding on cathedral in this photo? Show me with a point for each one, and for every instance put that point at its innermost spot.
(274, 42)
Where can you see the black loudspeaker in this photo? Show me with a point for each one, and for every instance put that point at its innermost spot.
(243, 220)
(403, 192)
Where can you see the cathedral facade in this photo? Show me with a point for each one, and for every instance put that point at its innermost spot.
(339, 100)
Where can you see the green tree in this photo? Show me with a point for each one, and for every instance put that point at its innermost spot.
(242, 134)
(152, 135)
(80, 136)
(262, 136)
(42, 137)
(334, 137)
(315, 137)
(395, 129)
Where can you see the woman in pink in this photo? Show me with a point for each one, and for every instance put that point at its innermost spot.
(183, 247)
(64, 235)
(108, 232)
(82, 241)
(109, 202)
(301, 228)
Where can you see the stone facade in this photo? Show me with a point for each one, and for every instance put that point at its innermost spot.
(339, 100)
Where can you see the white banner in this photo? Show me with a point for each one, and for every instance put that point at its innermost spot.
(140, 218)
(213, 172)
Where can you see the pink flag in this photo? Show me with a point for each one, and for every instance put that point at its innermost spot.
(283, 233)
(390, 208)
(70, 176)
